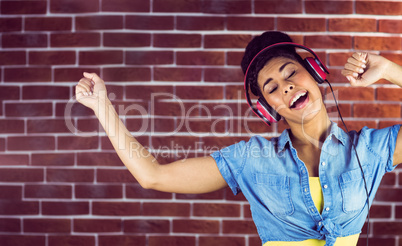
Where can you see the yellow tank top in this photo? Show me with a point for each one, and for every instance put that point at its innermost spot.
(318, 199)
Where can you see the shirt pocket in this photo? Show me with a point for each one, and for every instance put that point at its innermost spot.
(353, 189)
(274, 191)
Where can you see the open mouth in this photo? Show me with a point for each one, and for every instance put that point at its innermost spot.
(299, 101)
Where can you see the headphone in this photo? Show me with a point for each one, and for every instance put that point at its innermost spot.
(313, 65)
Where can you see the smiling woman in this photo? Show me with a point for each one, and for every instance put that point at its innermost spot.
(311, 189)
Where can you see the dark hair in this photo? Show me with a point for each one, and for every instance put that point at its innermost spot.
(256, 45)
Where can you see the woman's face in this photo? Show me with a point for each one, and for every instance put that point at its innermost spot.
(290, 90)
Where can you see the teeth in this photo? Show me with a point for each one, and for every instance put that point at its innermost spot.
(297, 97)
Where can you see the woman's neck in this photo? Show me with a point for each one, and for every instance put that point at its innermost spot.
(312, 132)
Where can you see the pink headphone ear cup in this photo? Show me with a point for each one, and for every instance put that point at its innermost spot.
(315, 68)
(267, 111)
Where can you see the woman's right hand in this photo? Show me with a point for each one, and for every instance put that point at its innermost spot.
(91, 91)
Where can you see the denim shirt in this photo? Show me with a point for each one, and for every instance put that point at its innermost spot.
(276, 182)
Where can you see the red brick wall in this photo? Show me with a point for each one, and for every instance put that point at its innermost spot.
(62, 188)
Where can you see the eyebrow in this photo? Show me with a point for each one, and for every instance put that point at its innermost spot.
(280, 70)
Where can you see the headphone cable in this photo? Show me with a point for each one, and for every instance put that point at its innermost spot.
(358, 160)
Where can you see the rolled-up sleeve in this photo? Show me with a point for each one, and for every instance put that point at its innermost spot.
(230, 161)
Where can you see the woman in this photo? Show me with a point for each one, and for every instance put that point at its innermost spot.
(311, 192)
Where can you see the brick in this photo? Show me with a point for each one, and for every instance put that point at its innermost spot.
(99, 22)
(97, 225)
(143, 22)
(216, 210)
(379, 7)
(48, 191)
(177, 74)
(398, 211)
(335, 42)
(177, 40)
(301, 24)
(234, 58)
(77, 143)
(390, 26)
(12, 57)
(356, 125)
(208, 241)
(200, 58)
(47, 126)
(148, 57)
(377, 43)
(47, 225)
(387, 123)
(352, 25)
(80, 39)
(48, 24)
(173, 108)
(329, 7)
(146, 92)
(277, 6)
(135, 191)
(14, 159)
(105, 240)
(223, 75)
(67, 240)
(226, 41)
(28, 109)
(31, 143)
(146, 226)
(52, 57)
(196, 226)
(389, 194)
(253, 23)
(380, 211)
(239, 227)
(200, 23)
(377, 110)
(72, 74)
(127, 74)
(227, 7)
(126, 39)
(176, 6)
(11, 240)
(186, 142)
(100, 57)
(98, 191)
(254, 241)
(387, 228)
(116, 208)
(352, 94)
(74, 6)
(166, 209)
(65, 208)
(389, 94)
(45, 92)
(42, 74)
(24, 40)
(98, 159)
(70, 175)
(10, 24)
(52, 159)
(13, 192)
(171, 240)
(10, 225)
(12, 126)
(199, 92)
(377, 241)
(339, 58)
(14, 207)
(125, 6)
(114, 176)
(23, 7)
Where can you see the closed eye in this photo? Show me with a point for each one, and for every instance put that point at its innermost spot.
(293, 73)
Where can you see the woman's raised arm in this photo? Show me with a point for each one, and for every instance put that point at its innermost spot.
(194, 175)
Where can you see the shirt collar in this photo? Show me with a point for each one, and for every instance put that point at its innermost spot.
(335, 131)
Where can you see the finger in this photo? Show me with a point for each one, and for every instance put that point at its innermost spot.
(92, 76)
(360, 56)
(354, 68)
(82, 88)
(85, 84)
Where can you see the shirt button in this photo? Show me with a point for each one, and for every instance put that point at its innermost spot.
(305, 189)
(327, 209)
(312, 210)
(323, 163)
(325, 186)
(319, 223)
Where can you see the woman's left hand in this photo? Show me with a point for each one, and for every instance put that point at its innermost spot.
(364, 69)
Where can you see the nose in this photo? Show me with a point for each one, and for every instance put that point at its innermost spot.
(288, 88)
